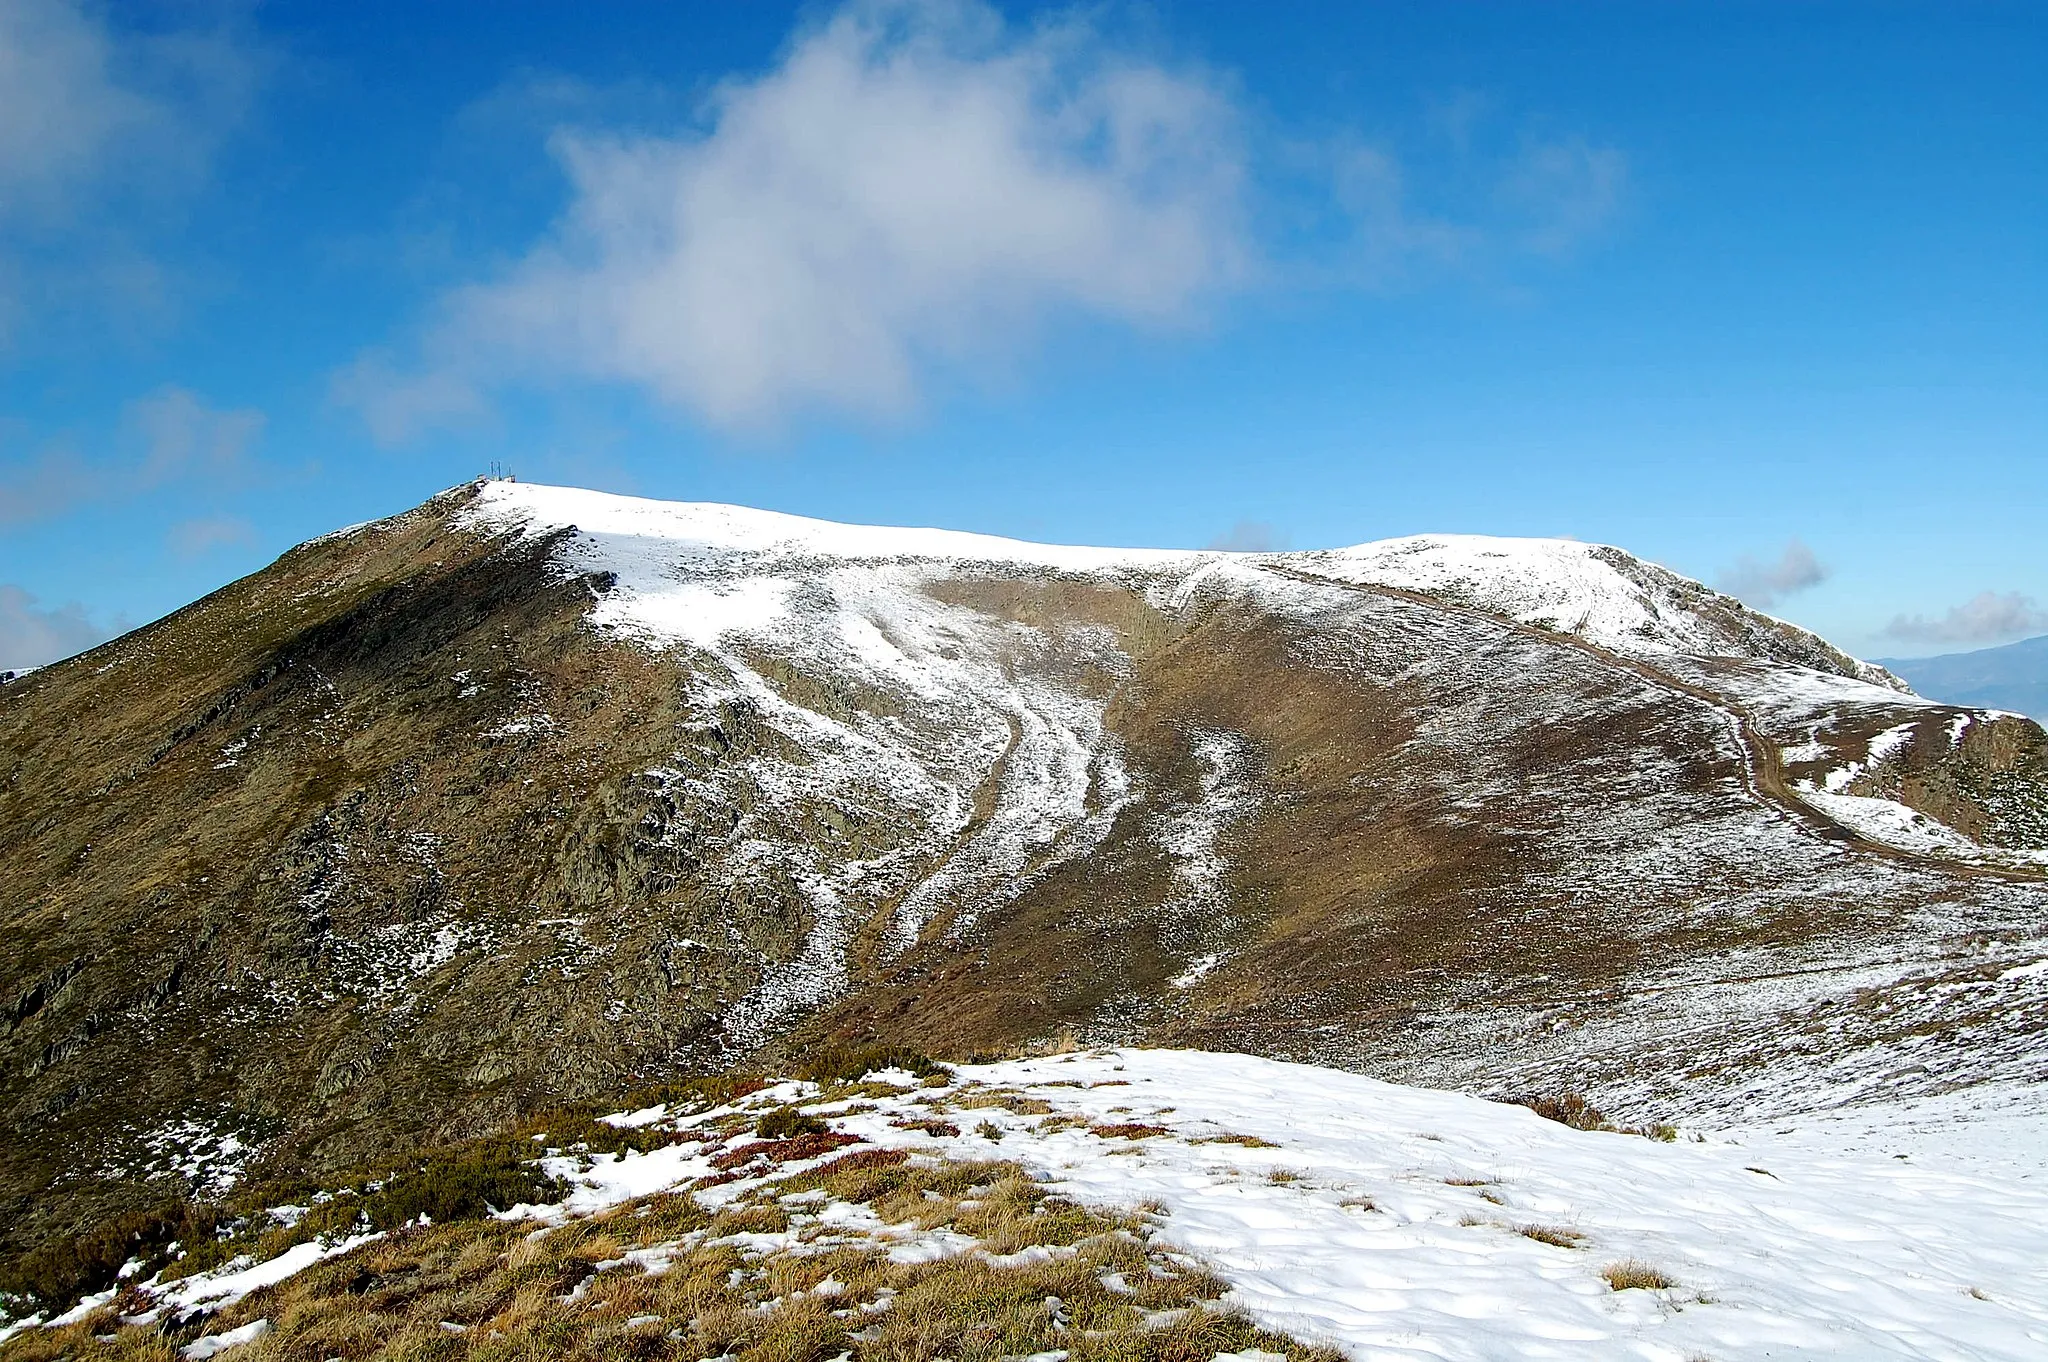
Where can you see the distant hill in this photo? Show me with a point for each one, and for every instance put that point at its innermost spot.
(2013, 677)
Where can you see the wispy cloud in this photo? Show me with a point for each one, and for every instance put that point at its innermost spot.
(1764, 584)
(200, 536)
(915, 184)
(91, 115)
(1473, 197)
(1987, 617)
(1565, 191)
(169, 436)
(915, 191)
(46, 483)
(32, 635)
(181, 436)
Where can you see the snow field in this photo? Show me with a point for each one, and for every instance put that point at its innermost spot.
(1401, 1223)
(1390, 1221)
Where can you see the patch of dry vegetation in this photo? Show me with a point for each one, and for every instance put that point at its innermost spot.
(458, 1182)
(1248, 1141)
(1632, 1275)
(1571, 1109)
(663, 1277)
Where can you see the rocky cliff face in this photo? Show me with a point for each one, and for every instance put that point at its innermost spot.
(531, 794)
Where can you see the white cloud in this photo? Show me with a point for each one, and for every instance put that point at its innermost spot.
(1473, 198)
(1765, 584)
(169, 436)
(200, 536)
(62, 111)
(31, 636)
(1566, 191)
(1389, 236)
(46, 484)
(1984, 618)
(181, 436)
(91, 114)
(915, 184)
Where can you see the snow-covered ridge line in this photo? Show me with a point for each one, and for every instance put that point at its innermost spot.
(703, 532)
(1595, 591)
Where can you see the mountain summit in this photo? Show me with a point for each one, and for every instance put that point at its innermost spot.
(530, 794)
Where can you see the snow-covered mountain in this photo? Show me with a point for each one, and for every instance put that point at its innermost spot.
(532, 793)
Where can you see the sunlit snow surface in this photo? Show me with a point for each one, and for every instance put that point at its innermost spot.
(1388, 1219)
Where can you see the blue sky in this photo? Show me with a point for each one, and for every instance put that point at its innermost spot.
(1756, 291)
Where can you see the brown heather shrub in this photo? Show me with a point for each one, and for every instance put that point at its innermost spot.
(1568, 1109)
(1631, 1275)
(1553, 1235)
(783, 1151)
(1572, 1110)
(1126, 1130)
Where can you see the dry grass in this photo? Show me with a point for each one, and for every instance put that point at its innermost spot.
(1248, 1141)
(1553, 1235)
(930, 1125)
(1014, 1102)
(1571, 1109)
(489, 1291)
(1631, 1275)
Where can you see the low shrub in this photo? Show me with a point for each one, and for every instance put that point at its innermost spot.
(57, 1273)
(930, 1125)
(1631, 1275)
(845, 1063)
(798, 1147)
(1567, 1109)
(783, 1122)
(467, 1182)
(1572, 1110)
(1553, 1236)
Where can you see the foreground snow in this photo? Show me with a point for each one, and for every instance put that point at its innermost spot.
(1408, 1223)
(1391, 1221)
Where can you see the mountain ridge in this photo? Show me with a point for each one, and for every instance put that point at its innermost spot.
(492, 805)
(2011, 676)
